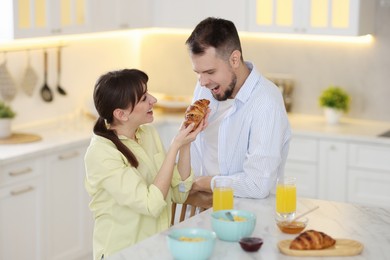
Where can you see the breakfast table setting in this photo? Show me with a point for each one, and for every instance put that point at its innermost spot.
(365, 228)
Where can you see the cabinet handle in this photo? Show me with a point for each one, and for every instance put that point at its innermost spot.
(21, 191)
(20, 172)
(68, 155)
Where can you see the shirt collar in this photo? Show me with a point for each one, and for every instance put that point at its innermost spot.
(246, 89)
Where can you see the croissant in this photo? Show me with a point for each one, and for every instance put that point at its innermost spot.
(312, 239)
(196, 112)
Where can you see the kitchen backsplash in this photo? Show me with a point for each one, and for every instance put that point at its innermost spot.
(362, 69)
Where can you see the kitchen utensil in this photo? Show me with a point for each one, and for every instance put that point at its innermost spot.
(30, 78)
(251, 244)
(343, 247)
(46, 93)
(305, 213)
(292, 227)
(229, 216)
(7, 85)
(243, 226)
(59, 88)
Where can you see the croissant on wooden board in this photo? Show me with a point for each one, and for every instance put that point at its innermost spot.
(196, 112)
(312, 240)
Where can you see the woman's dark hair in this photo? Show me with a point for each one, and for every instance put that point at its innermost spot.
(215, 32)
(117, 89)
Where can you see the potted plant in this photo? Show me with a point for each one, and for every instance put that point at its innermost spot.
(335, 101)
(6, 115)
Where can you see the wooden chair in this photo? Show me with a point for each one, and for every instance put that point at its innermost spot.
(199, 201)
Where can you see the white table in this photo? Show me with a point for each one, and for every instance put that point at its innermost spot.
(368, 225)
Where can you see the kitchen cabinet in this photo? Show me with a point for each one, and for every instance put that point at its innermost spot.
(21, 210)
(369, 173)
(44, 210)
(326, 166)
(187, 14)
(321, 17)
(37, 18)
(332, 170)
(302, 163)
(68, 219)
(121, 14)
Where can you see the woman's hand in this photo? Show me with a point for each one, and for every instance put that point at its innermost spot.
(188, 135)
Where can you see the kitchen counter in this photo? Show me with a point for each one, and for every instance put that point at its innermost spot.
(368, 225)
(72, 131)
(316, 126)
(56, 134)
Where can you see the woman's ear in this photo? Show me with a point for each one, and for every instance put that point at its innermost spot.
(120, 114)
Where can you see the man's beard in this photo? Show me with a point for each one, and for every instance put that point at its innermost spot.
(229, 91)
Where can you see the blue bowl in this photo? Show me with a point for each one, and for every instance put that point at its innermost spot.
(191, 243)
(233, 231)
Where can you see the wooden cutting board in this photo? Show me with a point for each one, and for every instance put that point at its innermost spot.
(343, 247)
(19, 138)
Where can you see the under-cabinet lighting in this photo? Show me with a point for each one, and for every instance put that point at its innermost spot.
(63, 40)
(364, 39)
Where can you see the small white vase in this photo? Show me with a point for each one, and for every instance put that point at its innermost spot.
(332, 115)
(5, 127)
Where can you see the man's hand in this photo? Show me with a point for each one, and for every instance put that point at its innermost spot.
(202, 183)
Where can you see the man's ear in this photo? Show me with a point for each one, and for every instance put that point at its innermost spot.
(235, 58)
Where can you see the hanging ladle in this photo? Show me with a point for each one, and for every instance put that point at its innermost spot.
(46, 93)
(59, 88)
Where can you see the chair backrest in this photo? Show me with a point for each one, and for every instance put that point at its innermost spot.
(196, 202)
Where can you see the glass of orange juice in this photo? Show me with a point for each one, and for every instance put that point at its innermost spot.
(286, 197)
(222, 194)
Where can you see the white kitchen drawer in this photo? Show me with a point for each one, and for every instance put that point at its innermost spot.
(306, 178)
(303, 149)
(19, 171)
(370, 188)
(373, 156)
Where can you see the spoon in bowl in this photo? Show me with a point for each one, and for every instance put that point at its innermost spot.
(229, 216)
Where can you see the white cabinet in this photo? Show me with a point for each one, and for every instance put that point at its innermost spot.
(44, 210)
(369, 174)
(332, 170)
(188, 13)
(121, 14)
(35, 18)
(324, 17)
(21, 211)
(68, 220)
(302, 163)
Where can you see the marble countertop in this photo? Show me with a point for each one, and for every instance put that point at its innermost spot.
(368, 225)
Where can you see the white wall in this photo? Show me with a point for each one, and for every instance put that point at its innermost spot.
(363, 70)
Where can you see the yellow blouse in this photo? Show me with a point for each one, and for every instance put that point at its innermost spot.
(127, 207)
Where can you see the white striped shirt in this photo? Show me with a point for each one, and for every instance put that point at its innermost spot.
(253, 138)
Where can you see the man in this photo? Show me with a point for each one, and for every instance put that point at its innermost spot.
(248, 132)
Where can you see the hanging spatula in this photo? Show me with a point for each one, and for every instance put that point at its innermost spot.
(60, 89)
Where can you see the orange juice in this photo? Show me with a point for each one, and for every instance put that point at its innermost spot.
(286, 198)
(222, 198)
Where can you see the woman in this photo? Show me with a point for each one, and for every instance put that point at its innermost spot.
(131, 180)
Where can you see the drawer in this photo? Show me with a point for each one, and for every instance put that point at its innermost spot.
(19, 171)
(366, 156)
(303, 149)
(370, 188)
